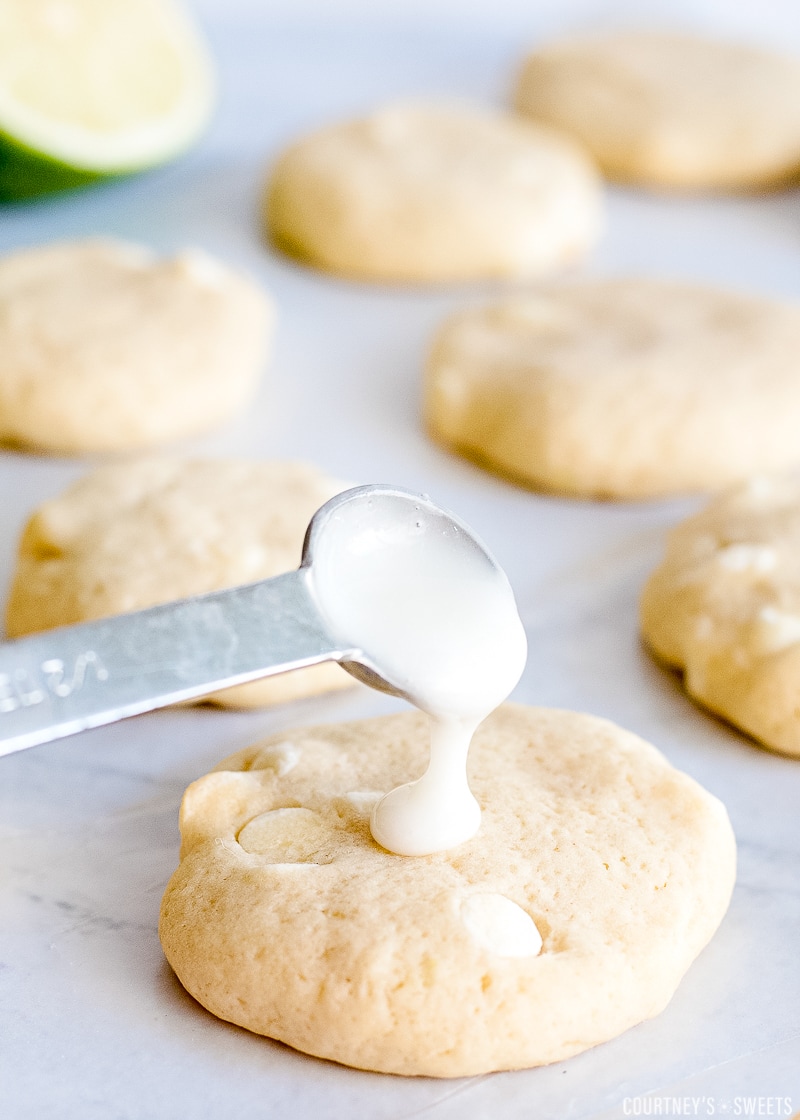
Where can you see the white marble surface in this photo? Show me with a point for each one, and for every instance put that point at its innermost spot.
(92, 1023)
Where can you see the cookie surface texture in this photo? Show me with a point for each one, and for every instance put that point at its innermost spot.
(671, 110)
(104, 347)
(131, 535)
(435, 193)
(284, 916)
(724, 607)
(620, 388)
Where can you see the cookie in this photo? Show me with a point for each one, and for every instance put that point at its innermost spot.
(434, 193)
(671, 110)
(104, 347)
(131, 535)
(598, 875)
(620, 388)
(724, 608)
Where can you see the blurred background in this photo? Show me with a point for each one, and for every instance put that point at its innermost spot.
(773, 21)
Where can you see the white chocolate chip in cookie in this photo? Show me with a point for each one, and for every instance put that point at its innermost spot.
(729, 615)
(363, 802)
(756, 558)
(280, 757)
(500, 926)
(759, 488)
(293, 835)
(203, 269)
(776, 630)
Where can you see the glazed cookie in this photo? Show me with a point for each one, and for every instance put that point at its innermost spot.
(724, 607)
(598, 875)
(670, 109)
(620, 388)
(435, 193)
(104, 347)
(131, 535)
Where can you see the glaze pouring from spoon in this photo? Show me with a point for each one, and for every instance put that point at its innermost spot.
(435, 621)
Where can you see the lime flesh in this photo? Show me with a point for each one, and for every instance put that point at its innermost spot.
(95, 88)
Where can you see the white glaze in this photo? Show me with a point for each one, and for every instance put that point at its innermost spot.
(437, 619)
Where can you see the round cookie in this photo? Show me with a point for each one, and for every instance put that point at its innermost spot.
(724, 607)
(104, 347)
(285, 917)
(620, 388)
(131, 535)
(435, 193)
(671, 110)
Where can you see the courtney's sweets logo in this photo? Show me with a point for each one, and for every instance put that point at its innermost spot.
(708, 1106)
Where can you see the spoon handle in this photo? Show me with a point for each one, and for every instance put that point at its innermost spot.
(62, 681)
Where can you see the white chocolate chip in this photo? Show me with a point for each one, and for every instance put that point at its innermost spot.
(703, 628)
(776, 630)
(500, 926)
(363, 801)
(748, 558)
(285, 835)
(759, 488)
(280, 757)
(202, 268)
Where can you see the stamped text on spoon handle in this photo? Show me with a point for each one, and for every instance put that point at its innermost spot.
(22, 689)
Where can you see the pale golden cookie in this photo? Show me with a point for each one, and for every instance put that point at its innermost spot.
(130, 535)
(104, 347)
(620, 388)
(285, 917)
(435, 193)
(724, 607)
(671, 110)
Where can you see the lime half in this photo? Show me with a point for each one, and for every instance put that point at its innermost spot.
(96, 88)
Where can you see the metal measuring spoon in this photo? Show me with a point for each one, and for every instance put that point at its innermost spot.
(66, 680)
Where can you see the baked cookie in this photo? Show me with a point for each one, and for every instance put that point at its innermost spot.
(620, 388)
(435, 193)
(104, 347)
(598, 875)
(724, 607)
(131, 535)
(671, 110)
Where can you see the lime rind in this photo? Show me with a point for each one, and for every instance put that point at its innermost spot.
(26, 174)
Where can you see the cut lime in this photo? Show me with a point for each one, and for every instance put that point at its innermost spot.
(96, 88)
